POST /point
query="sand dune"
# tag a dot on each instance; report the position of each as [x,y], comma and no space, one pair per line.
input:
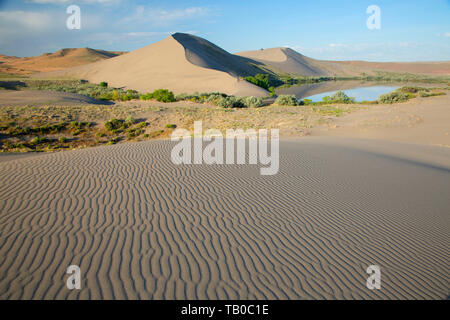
[181,63]
[140,227]
[62,59]
[286,60]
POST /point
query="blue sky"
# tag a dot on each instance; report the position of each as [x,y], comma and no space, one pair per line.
[322,29]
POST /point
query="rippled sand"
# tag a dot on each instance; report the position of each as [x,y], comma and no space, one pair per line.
[142,228]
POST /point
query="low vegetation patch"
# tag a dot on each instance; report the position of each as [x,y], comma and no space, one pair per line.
[287,100]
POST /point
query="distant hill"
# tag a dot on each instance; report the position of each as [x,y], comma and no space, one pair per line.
[59,60]
[286,60]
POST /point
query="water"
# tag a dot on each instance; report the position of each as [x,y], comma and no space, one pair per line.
[360,94]
[361,91]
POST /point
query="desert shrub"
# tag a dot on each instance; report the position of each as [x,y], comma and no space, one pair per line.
[393,97]
[130,120]
[231,102]
[341,97]
[62,139]
[287,100]
[261,80]
[272,91]
[253,102]
[163,95]
[104,84]
[408,89]
[113,124]
[38,140]
[433,94]
[171,126]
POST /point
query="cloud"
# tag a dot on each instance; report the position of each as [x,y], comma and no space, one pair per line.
[153,16]
[380,51]
[72,1]
[10,21]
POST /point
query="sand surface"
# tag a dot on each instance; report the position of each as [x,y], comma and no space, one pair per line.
[44,98]
[142,228]
[180,63]
[420,120]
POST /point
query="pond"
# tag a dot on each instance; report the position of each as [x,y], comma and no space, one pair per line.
[361,91]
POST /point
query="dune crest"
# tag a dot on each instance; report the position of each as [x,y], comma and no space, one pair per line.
[181,63]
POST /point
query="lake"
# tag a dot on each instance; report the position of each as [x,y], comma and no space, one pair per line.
[361,91]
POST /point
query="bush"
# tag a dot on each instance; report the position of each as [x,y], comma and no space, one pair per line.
[62,139]
[161,95]
[261,80]
[231,102]
[253,102]
[341,97]
[393,97]
[113,124]
[287,100]
[130,120]
[171,126]
[104,84]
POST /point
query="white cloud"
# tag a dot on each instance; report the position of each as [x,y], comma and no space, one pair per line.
[72,1]
[154,16]
[28,20]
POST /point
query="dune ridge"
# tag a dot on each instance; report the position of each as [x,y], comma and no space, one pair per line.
[142,228]
[167,64]
[62,59]
[286,60]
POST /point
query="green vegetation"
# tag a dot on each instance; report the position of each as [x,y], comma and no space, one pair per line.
[171,126]
[161,95]
[96,91]
[287,100]
[104,84]
[261,80]
[394,97]
[338,97]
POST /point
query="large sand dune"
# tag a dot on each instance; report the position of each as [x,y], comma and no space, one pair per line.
[181,63]
[140,227]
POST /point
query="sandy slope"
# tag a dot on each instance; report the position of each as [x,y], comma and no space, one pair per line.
[183,66]
[286,60]
[62,59]
[420,120]
[140,227]
[38,98]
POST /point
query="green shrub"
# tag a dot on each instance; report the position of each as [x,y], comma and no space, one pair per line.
[261,80]
[104,84]
[253,102]
[231,102]
[287,100]
[130,120]
[113,124]
[62,139]
[161,95]
[393,97]
[171,126]
[341,97]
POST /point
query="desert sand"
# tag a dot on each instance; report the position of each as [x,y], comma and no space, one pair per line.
[421,120]
[62,59]
[286,60]
[181,63]
[140,227]
[45,98]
